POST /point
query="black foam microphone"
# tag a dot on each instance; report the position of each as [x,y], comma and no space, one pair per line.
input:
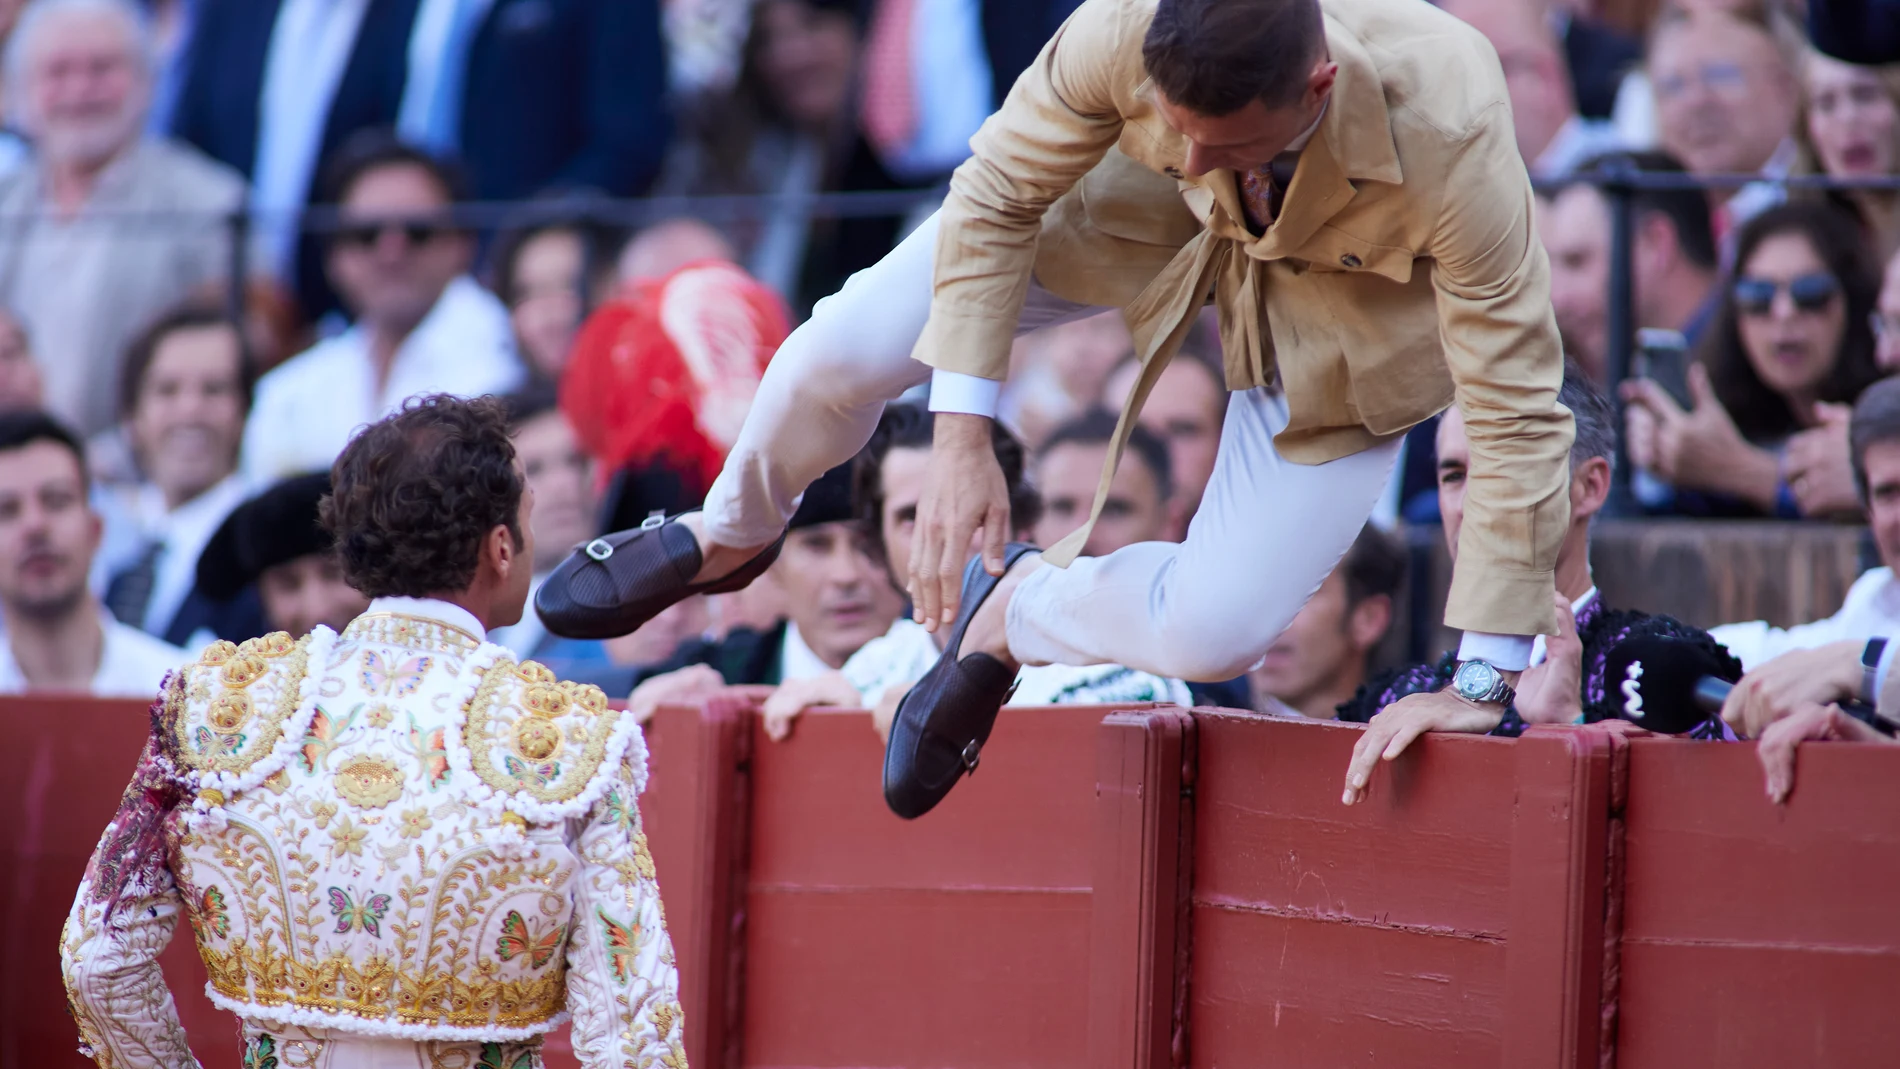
[1664,684]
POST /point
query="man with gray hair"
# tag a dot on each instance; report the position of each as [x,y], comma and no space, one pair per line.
[102,228]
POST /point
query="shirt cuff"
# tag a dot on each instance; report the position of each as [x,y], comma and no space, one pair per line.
[953,391]
[1509,653]
[1882,666]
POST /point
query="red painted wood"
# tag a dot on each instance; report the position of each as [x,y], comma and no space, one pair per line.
[1756,935]
[1328,935]
[1143,840]
[959,939]
[62,771]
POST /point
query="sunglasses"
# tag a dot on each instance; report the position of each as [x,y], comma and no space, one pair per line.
[1810,293]
[366,235]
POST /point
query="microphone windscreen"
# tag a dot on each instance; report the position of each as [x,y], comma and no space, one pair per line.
[1652,682]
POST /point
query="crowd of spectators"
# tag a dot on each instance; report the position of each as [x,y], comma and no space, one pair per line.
[234,231]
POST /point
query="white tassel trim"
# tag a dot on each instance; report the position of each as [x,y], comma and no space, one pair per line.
[290,739]
[304,1017]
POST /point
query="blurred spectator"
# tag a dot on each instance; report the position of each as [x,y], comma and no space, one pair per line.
[184,394]
[1852,130]
[274,88]
[58,636]
[561,479]
[422,325]
[21,385]
[1726,101]
[549,272]
[889,482]
[1551,136]
[1672,260]
[1858,31]
[1872,604]
[275,551]
[1320,660]
[1069,468]
[1565,682]
[538,94]
[86,280]
[1597,56]
[1793,330]
[1185,409]
[1886,319]
[665,247]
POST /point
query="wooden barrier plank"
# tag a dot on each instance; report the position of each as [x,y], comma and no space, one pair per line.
[961,938]
[1328,935]
[1756,935]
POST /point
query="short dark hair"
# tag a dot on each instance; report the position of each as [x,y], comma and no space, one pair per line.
[909,426]
[377,148]
[1373,565]
[1594,415]
[413,496]
[573,212]
[1097,427]
[22,427]
[193,315]
[1686,209]
[531,401]
[1213,56]
[1876,419]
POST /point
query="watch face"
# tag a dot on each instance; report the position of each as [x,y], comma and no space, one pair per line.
[1474,680]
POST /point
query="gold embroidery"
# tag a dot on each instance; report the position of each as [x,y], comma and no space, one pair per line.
[217,653]
[380,715]
[211,797]
[379,991]
[229,712]
[369,782]
[590,698]
[545,699]
[536,739]
[491,717]
[275,644]
[243,670]
[249,749]
[415,632]
[534,672]
[279,781]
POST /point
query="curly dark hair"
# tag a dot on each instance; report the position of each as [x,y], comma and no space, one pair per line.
[413,496]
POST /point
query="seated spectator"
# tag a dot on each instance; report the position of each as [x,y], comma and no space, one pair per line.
[274,549]
[1185,409]
[1320,660]
[1886,319]
[79,80]
[665,247]
[1551,136]
[1796,697]
[1726,101]
[58,638]
[889,483]
[183,396]
[1597,55]
[422,325]
[836,596]
[1565,683]
[549,272]
[561,479]
[1872,605]
[1067,365]
[1069,468]
[21,384]
[1793,331]
[1673,265]
[1851,129]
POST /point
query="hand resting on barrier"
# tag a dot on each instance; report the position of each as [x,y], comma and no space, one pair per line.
[689,685]
[1395,726]
[1791,683]
[795,696]
[1809,723]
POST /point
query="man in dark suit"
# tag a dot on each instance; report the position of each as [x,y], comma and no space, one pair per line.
[1858,31]
[539,94]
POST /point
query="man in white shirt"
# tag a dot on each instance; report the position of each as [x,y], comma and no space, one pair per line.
[58,637]
[422,325]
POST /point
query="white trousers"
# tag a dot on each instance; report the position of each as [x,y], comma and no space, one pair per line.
[1268,531]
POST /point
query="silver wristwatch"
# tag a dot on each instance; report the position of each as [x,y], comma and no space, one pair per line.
[1480,681]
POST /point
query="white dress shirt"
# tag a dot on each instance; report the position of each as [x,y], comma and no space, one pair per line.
[442,612]
[132,664]
[183,532]
[1871,609]
[796,660]
[308,409]
[1577,140]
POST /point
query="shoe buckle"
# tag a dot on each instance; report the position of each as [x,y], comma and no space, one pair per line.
[971,751]
[654,521]
[598,549]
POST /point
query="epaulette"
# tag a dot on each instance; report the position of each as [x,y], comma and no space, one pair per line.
[234,711]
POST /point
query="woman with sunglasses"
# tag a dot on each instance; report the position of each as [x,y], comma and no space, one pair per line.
[1790,343]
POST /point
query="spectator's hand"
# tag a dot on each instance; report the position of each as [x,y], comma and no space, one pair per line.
[1393,728]
[885,712]
[1779,688]
[1820,467]
[691,684]
[1552,692]
[1696,448]
[1806,724]
[964,492]
[795,696]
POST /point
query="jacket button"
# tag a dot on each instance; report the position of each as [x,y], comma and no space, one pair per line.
[1171,172]
[1349,260]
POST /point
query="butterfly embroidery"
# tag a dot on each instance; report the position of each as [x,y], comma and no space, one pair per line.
[431,752]
[621,945]
[380,678]
[522,772]
[322,738]
[350,915]
[493,1058]
[621,811]
[212,744]
[515,941]
[211,915]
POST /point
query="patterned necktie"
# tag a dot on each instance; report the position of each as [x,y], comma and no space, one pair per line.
[130,592]
[889,110]
[1259,198]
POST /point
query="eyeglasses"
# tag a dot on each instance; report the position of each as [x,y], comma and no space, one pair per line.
[1810,293]
[1725,78]
[414,233]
